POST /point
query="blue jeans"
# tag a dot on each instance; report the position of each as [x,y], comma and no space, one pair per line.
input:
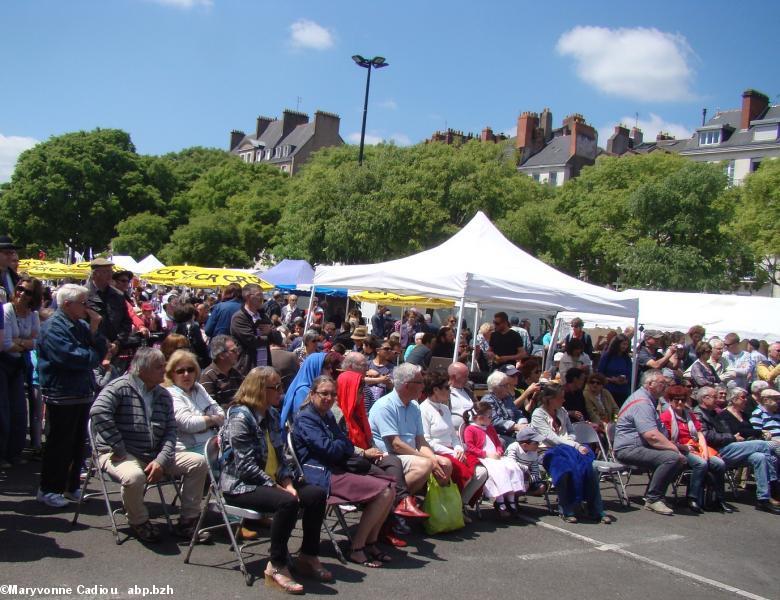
[699,468]
[756,453]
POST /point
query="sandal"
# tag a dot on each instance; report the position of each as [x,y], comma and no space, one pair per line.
[276,578]
[606,519]
[569,519]
[376,553]
[307,569]
[371,563]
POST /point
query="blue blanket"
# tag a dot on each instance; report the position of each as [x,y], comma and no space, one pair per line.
[562,460]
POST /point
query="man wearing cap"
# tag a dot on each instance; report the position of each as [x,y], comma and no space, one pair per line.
[8,276]
[650,355]
[641,439]
[110,304]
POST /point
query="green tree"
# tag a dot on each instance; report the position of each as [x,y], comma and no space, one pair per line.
[401,201]
[75,188]
[649,221]
[140,235]
[207,240]
[757,218]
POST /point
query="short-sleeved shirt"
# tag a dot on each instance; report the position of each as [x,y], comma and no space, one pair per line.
[506,344]
[645,355]
[638,416]
[389,417]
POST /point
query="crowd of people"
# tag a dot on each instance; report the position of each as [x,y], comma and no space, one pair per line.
[158,373]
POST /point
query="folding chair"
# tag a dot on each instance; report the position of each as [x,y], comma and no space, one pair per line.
[585,434]
[338,510]
[216,499]
[95,470]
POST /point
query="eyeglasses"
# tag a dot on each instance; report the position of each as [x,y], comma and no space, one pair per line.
[184,370]
[82,302]
[277,387]
[231,351]
[676,399]
[326,394]
[596,383]
[386,348]
[23,290]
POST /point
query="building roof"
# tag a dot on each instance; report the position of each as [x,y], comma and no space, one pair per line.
[740,137]
[554,154]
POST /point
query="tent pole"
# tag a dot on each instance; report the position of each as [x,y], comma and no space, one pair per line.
[635,345]
[458,328]
[346,310]
[308,311]
[474,337]
[548,360]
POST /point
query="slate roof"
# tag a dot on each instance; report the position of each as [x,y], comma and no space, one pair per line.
[740,137]
[554,154]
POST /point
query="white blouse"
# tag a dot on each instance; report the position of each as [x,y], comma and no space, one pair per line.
[189,410]
[438,429]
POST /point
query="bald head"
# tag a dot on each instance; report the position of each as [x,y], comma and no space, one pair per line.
[458,374]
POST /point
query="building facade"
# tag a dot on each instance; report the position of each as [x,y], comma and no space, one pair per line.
[287,143]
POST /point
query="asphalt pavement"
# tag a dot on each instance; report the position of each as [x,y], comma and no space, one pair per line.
[711,556]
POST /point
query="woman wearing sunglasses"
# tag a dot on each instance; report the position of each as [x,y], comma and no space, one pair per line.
[21,330]
[197,415]
[257,475]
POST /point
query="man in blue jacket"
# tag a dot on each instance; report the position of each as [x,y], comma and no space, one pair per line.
[68,350]
[218,322]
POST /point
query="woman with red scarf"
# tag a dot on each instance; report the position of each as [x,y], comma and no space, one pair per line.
[351,388]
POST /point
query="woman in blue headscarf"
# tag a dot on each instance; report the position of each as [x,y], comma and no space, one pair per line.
[300,386]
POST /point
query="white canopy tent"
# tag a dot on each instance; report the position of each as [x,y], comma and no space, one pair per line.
[478,264]
[747,316]
[150,263]
[126,262]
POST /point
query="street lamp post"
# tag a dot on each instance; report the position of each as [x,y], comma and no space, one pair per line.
[377,63]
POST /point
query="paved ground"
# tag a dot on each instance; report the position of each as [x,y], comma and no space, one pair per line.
[711,557]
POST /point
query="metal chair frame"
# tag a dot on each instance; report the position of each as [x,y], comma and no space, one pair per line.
[585,434]
[95,470]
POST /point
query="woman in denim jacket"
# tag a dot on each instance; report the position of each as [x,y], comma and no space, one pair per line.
[256,476]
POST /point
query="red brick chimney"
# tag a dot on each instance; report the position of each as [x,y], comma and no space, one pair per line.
[235,138]
[262,125]
[579,128]
[754,103]
[527,123]
[487,135]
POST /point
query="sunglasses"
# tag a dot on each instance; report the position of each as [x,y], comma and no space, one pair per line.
[327,394]
[277,387]
[23,290]
[184,370]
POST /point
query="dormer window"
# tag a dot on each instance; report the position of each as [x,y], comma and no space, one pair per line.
[709,138]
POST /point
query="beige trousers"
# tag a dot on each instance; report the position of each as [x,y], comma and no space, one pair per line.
[130,473]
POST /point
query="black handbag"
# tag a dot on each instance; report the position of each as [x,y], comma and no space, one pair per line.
[359,465]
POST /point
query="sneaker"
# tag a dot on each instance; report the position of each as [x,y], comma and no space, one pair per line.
[51,499]
[74,496]
[659,507]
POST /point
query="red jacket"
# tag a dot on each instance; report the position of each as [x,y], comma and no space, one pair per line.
[474,438]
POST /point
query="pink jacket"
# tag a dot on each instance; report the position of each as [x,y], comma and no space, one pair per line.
[474,439]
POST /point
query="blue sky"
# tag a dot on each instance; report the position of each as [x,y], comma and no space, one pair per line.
[179,73]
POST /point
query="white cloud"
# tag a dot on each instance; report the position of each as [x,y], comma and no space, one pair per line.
[10,148]
[388,104]
[650,127]
[308,34]
[371,138]
[401,139]
[185,4]
[640,63]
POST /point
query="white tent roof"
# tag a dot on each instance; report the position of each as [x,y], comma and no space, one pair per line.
[150,263]
[126,262]
[479,264]
[748,316]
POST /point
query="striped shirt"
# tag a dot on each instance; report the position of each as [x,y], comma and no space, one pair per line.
[766,421]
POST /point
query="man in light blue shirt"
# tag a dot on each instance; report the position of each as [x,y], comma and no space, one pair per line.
[397,428]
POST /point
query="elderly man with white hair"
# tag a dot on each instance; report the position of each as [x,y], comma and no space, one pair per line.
[135,435]
[68,350]
[461,397]
[396,425]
